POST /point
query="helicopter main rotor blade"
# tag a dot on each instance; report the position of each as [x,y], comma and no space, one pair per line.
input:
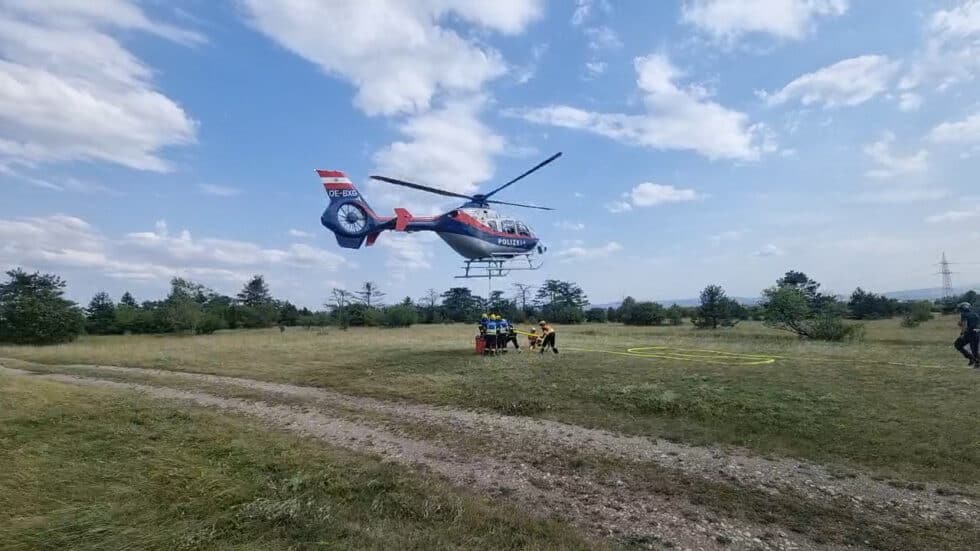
[536,167]
[520,205]
[421,187]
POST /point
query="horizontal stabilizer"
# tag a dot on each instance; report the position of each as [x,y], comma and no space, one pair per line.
[349,242]
[402,218]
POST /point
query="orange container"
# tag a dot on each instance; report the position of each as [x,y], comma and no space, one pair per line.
[481,345]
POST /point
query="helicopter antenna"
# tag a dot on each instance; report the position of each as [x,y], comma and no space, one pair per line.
[528,173]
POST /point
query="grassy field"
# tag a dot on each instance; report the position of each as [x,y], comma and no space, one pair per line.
[901,404]
[91,469]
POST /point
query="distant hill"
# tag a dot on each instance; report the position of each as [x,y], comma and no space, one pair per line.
[931,293]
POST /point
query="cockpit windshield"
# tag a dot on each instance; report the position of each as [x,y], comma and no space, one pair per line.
[523,230]
[508,226]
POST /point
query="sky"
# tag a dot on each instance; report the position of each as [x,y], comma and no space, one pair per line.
[704,141]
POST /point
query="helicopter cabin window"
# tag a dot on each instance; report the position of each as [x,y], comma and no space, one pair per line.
[492,224]
[522,229]
[508,226]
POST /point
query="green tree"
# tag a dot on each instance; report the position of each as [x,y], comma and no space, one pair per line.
[623,312]
[675,315]
[369,294]
[33,310]
[429,307]
[182,310]
[645,313]
[339,304]
[101,315]
[865,305]
[790,309]
[596,315]
[128,300]
[257,307]
[255,292]
[562,301]
[401,315]
[716,309]
[460,304]
[810,289]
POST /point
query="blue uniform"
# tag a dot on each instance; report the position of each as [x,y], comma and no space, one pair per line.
[970,336]
[491,338]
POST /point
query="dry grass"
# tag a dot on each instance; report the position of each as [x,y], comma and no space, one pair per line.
[91,469]
[843,403]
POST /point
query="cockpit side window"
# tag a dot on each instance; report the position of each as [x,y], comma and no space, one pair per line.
[522,229]
[492,224]
[508,226]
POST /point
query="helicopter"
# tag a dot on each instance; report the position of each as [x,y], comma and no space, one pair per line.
[491,244]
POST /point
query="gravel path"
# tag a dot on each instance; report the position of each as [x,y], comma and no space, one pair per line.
[602,505]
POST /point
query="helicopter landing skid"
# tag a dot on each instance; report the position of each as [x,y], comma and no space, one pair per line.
[496,266]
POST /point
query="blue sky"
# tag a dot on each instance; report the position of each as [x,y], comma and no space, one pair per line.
[705,141]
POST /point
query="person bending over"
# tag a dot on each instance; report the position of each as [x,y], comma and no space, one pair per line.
[548,334]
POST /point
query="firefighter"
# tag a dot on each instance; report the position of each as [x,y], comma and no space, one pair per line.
[969,326]
[491,335]
[532,339]
[548,332]
[510,335]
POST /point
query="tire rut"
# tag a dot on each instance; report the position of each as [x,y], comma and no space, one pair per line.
[817,483]
[600,508]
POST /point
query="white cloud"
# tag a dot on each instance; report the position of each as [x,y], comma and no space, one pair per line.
[584,9]
[725,236]
[602,38]
[954,216]
[70,91]
[300,233]
[399,54]
[620,205]
[900,195]
[890,165]
[220,191]
[407,253]
[595,68]
[579,252]
[909,101]
[788,19]
[677,118]
[966,131]
[449,148]
[768,250]
[526,73]
[649,194]
[952,51]
[569,226]
[963,21]
[845,83]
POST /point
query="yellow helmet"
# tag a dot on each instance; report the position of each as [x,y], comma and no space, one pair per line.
[542,323]
[494,317]
[484,316]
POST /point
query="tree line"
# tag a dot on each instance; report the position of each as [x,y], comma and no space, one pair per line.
[33,309]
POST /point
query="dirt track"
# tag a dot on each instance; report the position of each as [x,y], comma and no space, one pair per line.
[634,490]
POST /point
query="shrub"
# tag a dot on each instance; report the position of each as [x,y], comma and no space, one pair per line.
[644,313]
[596,315]
[399,316]
[828,327]
[918,312]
